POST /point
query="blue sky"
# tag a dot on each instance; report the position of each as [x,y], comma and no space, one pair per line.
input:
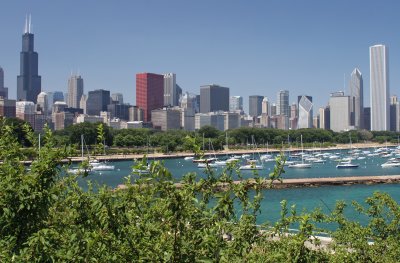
[253,47]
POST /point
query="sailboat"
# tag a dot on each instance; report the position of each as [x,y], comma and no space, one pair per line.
[347,164]
[301,165]
[143,168]
[251,163]
[94,164]
[267,157]
[101,166]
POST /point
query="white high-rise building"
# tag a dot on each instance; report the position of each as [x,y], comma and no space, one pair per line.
[82,103]
[339,105]
[25,110]
[282,107]
[356,99]
[266,107]
[236,103]
[75,91]
[170,89]
[305,107]
[42,103]
[379,82]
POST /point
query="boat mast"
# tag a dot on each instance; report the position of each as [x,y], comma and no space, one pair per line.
[82,145]
[302,151]
[226,141]
[203,143]
[39,145]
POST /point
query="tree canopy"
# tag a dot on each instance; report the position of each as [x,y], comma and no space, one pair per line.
[47,217]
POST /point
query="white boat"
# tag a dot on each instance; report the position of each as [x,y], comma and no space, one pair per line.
[78,171]
[269,160]
[204,165]
[231,160]
[391,163]
[361,158]
[251,167]
[265,157]
[188,158]
[319,160]
[94,162]
[347,165]
[301,165]
[141,171]
[244,156]
[220,163]
[103,167]
[287,163]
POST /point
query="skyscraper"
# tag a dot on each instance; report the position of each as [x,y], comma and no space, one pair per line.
[282,107]
[97,101]
[117,98]
[339,106]
[58,96]
[75,91]
[178,95]
[149,93]
[266,107]
[214,98]
[1,77]
[255,105]
[42,103]
[356,99]
[324,118]
[394,113]
[305,106]
[28,82]
[3,90]
[379,81]
[170,89]
[236,103]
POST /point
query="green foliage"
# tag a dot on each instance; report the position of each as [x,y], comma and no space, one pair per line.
[47,217]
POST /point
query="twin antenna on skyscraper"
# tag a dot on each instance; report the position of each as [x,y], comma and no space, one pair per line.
[28,25]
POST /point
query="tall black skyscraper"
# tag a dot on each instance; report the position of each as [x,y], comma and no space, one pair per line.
[97,101]
[28,82]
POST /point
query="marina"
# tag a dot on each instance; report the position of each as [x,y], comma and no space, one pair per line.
[322,185]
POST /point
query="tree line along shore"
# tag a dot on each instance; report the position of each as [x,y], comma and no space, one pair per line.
[244,139]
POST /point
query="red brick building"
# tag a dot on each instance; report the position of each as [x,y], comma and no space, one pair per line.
[149,93]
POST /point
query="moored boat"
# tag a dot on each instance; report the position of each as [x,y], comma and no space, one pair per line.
[345,165]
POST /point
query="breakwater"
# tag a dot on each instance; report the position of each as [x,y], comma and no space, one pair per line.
[314,182]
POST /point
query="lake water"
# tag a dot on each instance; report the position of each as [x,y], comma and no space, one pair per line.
[305,198]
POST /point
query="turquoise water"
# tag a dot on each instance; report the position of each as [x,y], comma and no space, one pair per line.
[306,199]
[179,167]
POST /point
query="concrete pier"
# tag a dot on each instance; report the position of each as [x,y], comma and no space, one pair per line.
[316,182]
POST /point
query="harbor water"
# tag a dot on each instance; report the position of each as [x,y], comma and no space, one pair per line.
[305,199]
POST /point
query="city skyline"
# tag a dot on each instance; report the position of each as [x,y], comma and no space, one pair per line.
[287,44]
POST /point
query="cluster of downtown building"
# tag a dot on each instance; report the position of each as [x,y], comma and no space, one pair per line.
[160,103]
